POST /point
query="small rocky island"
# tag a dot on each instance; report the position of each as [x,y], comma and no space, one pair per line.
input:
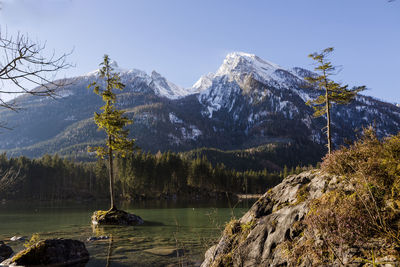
[115,217]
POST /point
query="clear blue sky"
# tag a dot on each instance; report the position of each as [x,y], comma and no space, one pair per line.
[184,39]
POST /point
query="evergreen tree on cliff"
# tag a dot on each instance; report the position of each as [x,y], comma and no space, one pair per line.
[112,121]
[334,93]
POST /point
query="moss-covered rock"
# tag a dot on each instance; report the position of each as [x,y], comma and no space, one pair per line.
[52,252]
[115,217]
[5,251]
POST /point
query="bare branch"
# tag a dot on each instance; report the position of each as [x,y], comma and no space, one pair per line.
[23,63]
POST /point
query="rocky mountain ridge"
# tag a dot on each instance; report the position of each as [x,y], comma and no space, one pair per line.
[247,103]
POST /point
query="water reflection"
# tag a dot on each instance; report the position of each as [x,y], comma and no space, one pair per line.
[109,251]
[175,233]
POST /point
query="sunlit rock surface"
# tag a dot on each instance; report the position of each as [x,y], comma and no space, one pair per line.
[257,239]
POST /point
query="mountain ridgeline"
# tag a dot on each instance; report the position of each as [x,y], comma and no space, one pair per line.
[248,106]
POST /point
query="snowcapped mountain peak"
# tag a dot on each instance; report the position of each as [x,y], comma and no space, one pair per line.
[244,63]
[159,84]
[231,80]
[236,65]
[165,88]
[155,75]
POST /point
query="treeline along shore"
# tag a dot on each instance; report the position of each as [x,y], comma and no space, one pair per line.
[140,175]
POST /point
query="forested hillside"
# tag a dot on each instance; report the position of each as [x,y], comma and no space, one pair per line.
[141,175]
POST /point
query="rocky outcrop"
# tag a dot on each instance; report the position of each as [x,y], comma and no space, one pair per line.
[258,238]
[5,251]
[115,217]
[65,252]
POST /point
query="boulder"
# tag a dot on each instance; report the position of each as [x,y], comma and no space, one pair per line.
[115,217]
[51,252]
[5,251]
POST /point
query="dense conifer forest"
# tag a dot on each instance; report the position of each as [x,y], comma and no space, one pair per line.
[140,175]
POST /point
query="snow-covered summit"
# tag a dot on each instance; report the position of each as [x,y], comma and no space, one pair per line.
[240,62]
[222,88]
[159,84]
[237,65]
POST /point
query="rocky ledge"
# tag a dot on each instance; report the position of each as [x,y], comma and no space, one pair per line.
[261,236]
[60,252]
[115,217]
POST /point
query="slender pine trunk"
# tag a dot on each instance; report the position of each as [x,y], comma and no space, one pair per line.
[328,122]
[328,113]
[111,174]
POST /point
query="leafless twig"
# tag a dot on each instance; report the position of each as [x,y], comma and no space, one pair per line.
[24,64]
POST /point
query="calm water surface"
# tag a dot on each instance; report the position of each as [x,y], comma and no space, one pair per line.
[187,227]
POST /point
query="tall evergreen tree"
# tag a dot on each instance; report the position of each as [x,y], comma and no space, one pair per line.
[333,92]
[112,121]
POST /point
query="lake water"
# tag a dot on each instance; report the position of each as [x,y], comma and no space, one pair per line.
[175,233]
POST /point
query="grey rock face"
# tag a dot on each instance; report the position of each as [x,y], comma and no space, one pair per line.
[51,252]
[271,219]
[257,238]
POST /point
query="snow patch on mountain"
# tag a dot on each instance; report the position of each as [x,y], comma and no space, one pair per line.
[63,93]
[190,134]
[304,96]
[220,95]
[173,139]
[174,119]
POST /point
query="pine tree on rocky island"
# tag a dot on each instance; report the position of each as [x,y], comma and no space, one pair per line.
[334,93]
[113,122]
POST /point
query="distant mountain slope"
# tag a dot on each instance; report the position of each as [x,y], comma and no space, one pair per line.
[247,103]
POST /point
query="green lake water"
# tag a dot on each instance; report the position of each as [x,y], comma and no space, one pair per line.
[188,228]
